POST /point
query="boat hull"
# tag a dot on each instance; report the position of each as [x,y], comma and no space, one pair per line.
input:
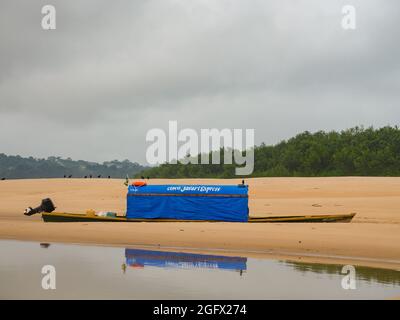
[72,217]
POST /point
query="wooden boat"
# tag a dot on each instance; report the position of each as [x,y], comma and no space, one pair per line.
[73,217]
[307,218]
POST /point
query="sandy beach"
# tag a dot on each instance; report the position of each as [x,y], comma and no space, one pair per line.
[371,239]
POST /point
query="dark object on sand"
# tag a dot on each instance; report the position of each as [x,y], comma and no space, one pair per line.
[2,179]
[46,206]
[99,176]
[44,245]
[109,177]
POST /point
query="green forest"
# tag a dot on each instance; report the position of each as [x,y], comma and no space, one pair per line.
[353,152]
[17,167]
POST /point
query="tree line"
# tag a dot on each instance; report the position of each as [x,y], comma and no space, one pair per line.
[353,152]
[17,167]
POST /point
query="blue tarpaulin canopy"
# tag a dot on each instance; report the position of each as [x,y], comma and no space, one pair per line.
[189,202]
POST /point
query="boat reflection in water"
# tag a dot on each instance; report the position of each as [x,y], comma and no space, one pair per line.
[138,258]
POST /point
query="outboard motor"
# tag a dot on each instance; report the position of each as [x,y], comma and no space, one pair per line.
[46,206]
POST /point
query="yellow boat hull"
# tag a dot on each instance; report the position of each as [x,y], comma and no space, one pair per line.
[73,217]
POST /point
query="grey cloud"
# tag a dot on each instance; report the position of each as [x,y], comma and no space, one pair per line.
[113,70]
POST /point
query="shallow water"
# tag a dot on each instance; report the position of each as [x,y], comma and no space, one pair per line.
[85,272]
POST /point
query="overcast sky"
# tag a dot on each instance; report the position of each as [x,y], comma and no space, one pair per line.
[112,70]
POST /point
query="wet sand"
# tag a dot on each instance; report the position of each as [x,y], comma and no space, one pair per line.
[372,238]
